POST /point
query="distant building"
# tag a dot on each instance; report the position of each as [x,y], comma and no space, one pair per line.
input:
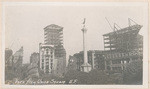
[13,64]
[8,64]
[18,58]
[95,59]
[123,46]
[72,63]
[34,58]
[8,57]
[33,69]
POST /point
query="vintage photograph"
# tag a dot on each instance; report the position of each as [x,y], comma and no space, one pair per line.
[75,43]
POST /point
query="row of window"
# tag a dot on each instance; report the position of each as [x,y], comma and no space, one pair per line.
[117,55]
[47,60]
[116,68]
[47,56]
[47,66]
[117,62]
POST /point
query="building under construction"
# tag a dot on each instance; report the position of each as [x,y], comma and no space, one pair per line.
[53,35]
[122,46]
[125,39]
[53,43]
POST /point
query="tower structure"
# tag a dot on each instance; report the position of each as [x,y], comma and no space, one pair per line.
[85,67]
[53,43]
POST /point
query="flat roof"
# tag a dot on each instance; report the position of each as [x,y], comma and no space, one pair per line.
[53,26]
[125,30]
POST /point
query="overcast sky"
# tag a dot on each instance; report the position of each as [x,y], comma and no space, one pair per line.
[24,23]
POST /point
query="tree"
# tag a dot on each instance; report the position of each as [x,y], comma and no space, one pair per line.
[74,74]
[98,77]
[93,77]
[133,73]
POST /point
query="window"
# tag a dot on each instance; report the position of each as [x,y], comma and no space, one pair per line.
[47,63]
[47,51]
[47,66]
[42,56]
[125,62]
[51,51]
[108,62]
[116,62]
[51,66]
[42,65]
[108,68]
[116,68]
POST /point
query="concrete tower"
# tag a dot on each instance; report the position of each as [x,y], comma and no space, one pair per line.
[86,67]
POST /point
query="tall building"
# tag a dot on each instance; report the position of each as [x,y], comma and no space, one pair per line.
[53,35]
[126,39]
[53,39]
[123,46]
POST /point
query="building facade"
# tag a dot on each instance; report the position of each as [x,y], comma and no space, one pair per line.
[46,58]
[124,40]
[53,35]
[53,41]
[123,46]
[117,61]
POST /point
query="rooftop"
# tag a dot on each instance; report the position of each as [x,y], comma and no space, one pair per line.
[133,28]
[53,26]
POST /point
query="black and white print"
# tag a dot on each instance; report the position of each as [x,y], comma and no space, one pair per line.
[75,43]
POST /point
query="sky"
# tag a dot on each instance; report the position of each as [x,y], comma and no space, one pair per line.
[24,23]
